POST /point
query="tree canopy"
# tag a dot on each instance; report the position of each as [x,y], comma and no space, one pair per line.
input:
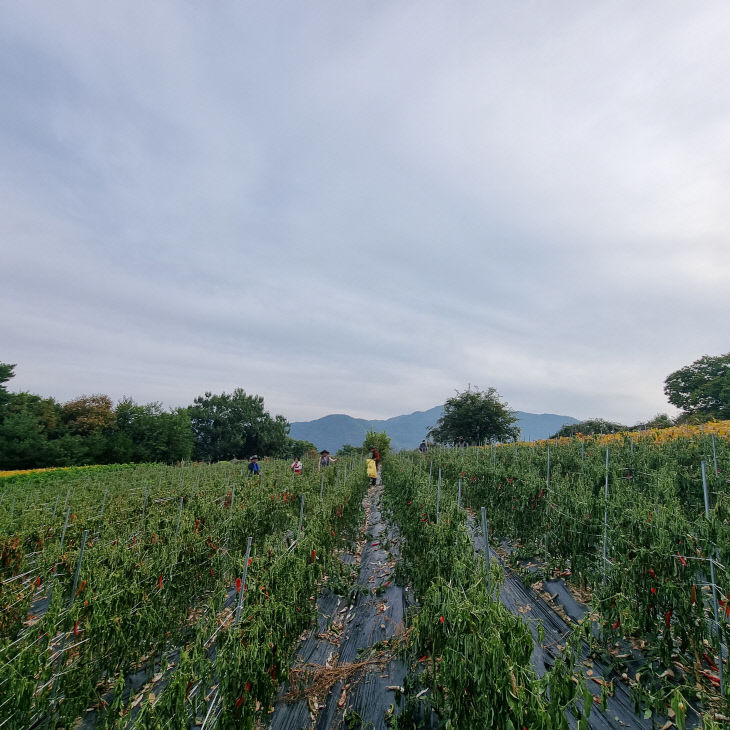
[703,388]
[378,440]
[475,416]
[589,427]
[235,425]
[40,432]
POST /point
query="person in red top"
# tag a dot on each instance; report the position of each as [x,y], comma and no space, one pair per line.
[376,457]
[296,466]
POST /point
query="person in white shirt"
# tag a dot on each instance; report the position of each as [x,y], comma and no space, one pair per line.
[296,466]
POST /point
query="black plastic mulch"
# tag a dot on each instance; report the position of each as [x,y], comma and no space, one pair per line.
[375,614]
[515,595]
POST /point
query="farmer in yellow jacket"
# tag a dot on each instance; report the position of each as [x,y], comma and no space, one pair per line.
[372,469]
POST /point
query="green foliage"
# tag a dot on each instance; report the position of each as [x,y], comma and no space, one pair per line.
[295,447]
[6,372]
[148,433]
[479,672]
[379,440]
[702,388]
[590,427]
[475,416]
[157,590]
[661,420]
[658,539]
[38,432]
[89,414]
[235,425]
[350,450]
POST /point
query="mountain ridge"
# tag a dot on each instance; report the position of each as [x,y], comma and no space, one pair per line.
[407,430]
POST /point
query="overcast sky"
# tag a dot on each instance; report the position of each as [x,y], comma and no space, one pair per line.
[360,207]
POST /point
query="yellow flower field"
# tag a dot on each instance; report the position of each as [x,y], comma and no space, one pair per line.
[720,429]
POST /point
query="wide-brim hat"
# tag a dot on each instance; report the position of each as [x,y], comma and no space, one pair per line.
[254,457]
[324,451]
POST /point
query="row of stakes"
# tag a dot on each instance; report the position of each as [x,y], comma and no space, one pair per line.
[711,560]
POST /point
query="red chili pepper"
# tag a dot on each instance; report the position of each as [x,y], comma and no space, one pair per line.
[76,628]
[248,686]
[238,585]
[649,520]
[694,595]
[441,619]
[683,561]
[710,661]
[312,556]
[668,618]
[159,583]
[652,573]
[616,625]
[38,582]
[542,491]
[81,587]
[653,591]
[250,560]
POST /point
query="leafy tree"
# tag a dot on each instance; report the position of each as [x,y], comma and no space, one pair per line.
[89,413]
[379,440]
[149,433]
[6,372]
[350,450]
[28,432]
[589,427]
[297,447]
[661,420]
[235,426]
[475,416]
[703,388]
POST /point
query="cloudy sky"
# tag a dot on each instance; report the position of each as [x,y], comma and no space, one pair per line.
[360,207]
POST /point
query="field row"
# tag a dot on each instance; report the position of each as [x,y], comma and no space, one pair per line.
[149,593]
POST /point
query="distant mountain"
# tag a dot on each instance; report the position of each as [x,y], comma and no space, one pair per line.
[406,432]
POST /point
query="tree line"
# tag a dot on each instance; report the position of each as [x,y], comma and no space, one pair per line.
[701,391]
[38,432]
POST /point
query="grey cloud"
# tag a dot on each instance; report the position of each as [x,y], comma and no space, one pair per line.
[362,208]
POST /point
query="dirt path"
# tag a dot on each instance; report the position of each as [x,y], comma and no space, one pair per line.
[348,663]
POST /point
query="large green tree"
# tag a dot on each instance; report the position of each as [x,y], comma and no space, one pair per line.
[236,425]
[378,440]
[701,389]
[149,433]
[475,416]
